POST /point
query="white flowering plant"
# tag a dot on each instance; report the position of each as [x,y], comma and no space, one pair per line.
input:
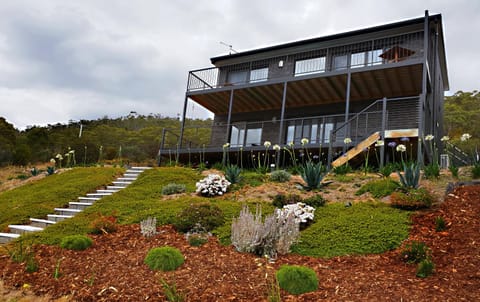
[302,212]
[212,185]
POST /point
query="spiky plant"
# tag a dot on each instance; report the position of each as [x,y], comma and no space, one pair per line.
[411,176]
[312,174]
[232,173]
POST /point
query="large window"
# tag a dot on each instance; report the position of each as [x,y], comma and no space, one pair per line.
[237,77]
[254,137]
[314,130]
[259,75]
[340,62]
[238,139]
[309,66]
[237,135]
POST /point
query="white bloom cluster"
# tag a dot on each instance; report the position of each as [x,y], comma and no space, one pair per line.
[401,148]
[347,140]
[212,185]
[276,147]
[429,137]
[465,137]
[303,213]
[304,141]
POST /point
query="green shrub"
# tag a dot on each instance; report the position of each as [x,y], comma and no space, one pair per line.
[415,252]
[76,242]
[388,169]
[209,216]
[197,239]
[297,279]
[379,188]
[173,188]
[315,201]
[164,258]
[312,174]
[232,174]
[454,170]
[343,169]
[425,268]
[411,175]
[280,176]
[413,199]
[476,170]
[281,199]
[432,171]
[440,224]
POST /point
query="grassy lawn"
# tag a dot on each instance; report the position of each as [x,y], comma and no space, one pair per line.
[337,230]
[40,198]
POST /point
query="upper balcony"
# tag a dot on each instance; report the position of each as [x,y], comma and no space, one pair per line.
[384,66]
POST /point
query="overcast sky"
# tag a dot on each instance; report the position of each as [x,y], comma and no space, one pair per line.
[64,60]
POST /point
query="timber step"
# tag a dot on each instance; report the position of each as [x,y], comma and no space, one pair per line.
[356,150]
[21,229]
[133,175]
[107,191]
[42,223]
[118,188]
[127,179]
[57,217]
[121,183]
[99,194]
[7,237]
[79,205]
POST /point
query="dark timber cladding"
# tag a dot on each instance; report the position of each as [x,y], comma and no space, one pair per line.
[353,84]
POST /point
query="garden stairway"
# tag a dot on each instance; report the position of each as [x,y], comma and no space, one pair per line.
[74,207]
[356,150]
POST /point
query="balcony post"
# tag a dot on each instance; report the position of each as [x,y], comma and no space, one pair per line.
[282,117]
[384,125]
[229,117]
[184,114]
[421,123]
[347,108]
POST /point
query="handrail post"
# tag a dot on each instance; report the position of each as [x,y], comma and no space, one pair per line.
[162,145]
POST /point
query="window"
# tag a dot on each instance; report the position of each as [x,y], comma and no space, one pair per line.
[309,66]
[259,75]
[358,59]
[237,135]
[237,77]
[340,62]
[374,57]
[254,137]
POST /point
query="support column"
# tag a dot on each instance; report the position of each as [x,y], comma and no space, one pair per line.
[384,125]
[179,144]
[282,117]
[423,97]
[229,117]
[347,108]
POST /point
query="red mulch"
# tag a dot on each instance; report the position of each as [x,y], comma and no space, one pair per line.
[113,269]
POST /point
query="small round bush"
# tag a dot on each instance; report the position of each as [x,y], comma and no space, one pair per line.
[297,279]
[173,188]
[413,199]
[315,201]
[209,216]
[281,200]
[76,242]
[280,176]
[164,258]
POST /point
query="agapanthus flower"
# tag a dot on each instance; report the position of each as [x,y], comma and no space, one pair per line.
[429,137]
[401,148]
[379,143]
[445,138]
[276,147]
[267,144]
[52,160]
[347,140]
[404,139]
[392,144]
[226,145]
[304,141]
[465,137]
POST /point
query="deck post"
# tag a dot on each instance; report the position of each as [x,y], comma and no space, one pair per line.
[229,117]
[384,125]
[423,98]
[282,117]
[421,122]
[347,109]
[184,114]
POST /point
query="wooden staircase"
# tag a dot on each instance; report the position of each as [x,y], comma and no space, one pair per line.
[356,150]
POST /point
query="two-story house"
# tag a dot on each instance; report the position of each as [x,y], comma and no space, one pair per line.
[383,82]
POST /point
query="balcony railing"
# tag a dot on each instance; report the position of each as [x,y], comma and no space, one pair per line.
[386,50]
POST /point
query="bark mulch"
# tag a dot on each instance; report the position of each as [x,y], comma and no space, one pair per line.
[113,269]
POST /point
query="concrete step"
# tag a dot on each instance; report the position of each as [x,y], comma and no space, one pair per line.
[108,191]
[66,211]
[140,168]
[115,188]
[131,171]
[41,223]
[79,205]
[121,183]
[99,195]
[21,229]
[128,179]
[57,218]
[89,199]
[7,237]
[133,175]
